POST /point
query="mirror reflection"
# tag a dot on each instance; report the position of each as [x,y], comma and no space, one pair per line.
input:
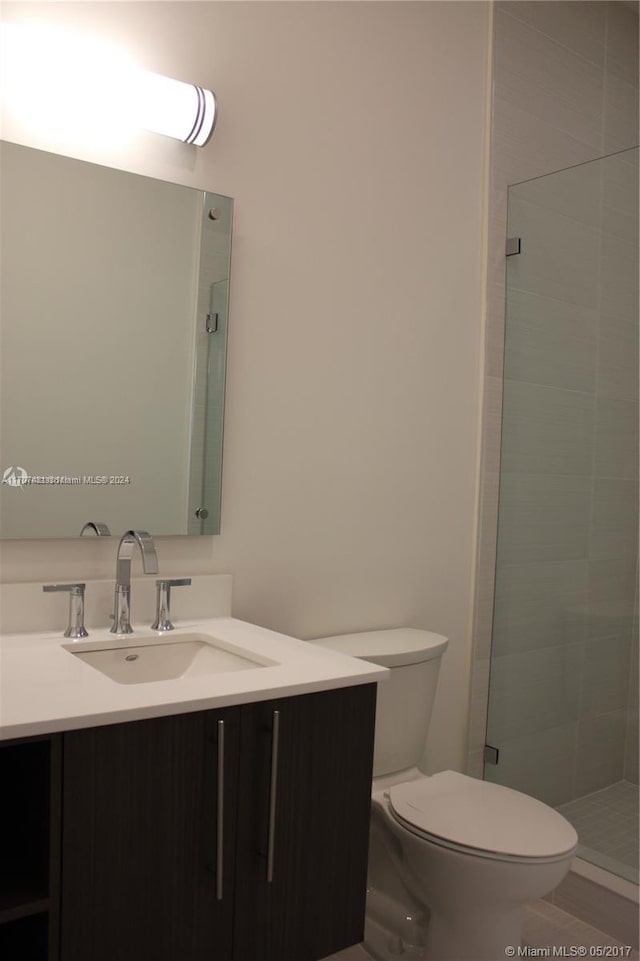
[113,331]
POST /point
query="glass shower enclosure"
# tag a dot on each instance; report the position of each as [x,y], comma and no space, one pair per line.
[563,698]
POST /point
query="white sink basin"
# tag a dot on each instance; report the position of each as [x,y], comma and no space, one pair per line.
[143,660]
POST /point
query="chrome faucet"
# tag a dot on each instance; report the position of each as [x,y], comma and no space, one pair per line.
[99,528]
[122,603]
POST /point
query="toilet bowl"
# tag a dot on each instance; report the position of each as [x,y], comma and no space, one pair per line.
[453,860]
[475,853]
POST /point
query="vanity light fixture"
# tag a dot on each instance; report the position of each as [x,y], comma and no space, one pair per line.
[79,86]
[176,109]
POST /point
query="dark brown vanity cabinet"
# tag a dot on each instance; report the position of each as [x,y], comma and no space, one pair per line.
[231,835]
[315,901]
[29,848]
[141,836]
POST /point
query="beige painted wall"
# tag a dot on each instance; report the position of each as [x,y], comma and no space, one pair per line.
[351,136]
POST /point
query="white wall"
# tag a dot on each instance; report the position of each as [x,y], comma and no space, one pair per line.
[351,136]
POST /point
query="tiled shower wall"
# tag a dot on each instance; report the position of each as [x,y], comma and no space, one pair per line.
[565,92]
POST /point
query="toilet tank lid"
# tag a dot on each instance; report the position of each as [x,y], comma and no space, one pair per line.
[391,648]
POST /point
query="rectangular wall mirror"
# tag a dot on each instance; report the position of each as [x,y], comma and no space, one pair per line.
[113,333]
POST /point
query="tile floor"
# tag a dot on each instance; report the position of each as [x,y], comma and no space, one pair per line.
[607,825]
[545,926]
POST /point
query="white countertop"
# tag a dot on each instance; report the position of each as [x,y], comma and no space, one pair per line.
[45,688]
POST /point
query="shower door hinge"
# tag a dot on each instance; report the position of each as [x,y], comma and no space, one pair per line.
[514,246]
[212,323]
[491,754]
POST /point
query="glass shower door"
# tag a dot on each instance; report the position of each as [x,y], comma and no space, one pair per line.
[563,699]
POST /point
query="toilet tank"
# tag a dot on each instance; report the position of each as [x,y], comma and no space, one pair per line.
[405,700]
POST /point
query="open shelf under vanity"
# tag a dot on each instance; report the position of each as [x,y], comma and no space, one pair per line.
[30,779]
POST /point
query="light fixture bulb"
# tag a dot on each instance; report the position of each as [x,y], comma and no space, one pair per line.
[175,109]
[60,85]
[79,87]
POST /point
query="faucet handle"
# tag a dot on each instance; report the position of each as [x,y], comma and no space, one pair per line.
[163,602]
[76,628]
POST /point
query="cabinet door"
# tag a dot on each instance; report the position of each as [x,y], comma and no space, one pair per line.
[312,901]
[140,840]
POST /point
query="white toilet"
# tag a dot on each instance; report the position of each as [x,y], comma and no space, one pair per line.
[453,860]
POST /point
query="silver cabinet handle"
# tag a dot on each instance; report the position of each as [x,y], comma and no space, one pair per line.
[220,814]
[273,790]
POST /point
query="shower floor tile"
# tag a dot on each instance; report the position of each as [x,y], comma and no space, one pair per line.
[607,826]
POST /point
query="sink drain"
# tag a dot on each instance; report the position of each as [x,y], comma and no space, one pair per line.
[132,657]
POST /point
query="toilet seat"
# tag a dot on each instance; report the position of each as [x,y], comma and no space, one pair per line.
[480,818]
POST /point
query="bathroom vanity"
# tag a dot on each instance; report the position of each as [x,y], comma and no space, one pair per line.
[116,850]
[210,816]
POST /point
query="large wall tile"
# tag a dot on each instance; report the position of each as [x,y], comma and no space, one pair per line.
[620,197]
[540,764]
[618,358]
[533,691]
[612,597]
[631,748]
[557,20]
[622,42]
[600,753]
[620,115]
[630,157]
[619,279]
[546,430]
[616,438]
[605,676]
[554,83]
[613,581]
[574,193]
[539,605]
[614,524]
[526,146]
[560,255]
[550,342]
[543,517]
